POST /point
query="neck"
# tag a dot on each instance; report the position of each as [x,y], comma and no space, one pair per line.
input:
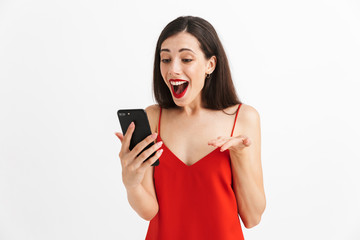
[194,108]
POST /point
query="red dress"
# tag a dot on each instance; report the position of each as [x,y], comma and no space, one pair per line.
[197,201]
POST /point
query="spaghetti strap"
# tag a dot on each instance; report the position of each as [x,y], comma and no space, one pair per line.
[159,122]
[237,112]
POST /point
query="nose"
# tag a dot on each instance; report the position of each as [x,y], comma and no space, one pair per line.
[175,68]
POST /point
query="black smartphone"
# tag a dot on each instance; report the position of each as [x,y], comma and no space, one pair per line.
[142,127]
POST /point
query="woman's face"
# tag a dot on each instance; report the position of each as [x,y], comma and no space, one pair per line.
[184,67]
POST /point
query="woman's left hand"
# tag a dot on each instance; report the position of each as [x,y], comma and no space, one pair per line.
[234,144]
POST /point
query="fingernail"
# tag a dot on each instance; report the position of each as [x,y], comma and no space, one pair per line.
[154,134]
[132,124]
[159,143]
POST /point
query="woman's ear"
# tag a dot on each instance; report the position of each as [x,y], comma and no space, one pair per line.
[211,64]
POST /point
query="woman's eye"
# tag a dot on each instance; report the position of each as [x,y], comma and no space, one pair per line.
[165,60]
[186,60]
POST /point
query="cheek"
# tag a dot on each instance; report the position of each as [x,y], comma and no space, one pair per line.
[198,74]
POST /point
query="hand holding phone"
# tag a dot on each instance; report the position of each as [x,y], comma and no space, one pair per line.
[135,162]
[142,128]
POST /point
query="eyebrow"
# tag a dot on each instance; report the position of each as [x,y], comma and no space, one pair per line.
[181,50]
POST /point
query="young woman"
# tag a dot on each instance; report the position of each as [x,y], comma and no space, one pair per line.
[208,143]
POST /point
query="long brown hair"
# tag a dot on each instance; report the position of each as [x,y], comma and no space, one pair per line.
[219,91]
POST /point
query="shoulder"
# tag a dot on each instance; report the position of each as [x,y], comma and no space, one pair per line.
[248,119]
[153,109]
[153,112]
[248,113]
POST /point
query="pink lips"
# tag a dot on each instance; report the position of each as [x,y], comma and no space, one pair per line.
[178,95]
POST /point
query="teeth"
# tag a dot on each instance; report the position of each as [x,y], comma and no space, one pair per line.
[176,83]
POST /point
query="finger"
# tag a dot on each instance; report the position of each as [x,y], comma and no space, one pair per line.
[230,143]
[247,142]
[126,140]
[218,142]
[141,145]
[214,141]
[151,160]
[144,155]
[120,136]
[235,142]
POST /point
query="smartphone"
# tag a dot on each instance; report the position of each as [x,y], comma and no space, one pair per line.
[142,128]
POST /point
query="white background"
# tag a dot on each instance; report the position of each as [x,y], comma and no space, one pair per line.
[67,66]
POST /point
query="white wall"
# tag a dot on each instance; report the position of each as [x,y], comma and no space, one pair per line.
[67,66]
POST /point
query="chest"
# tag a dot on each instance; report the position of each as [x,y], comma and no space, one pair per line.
[188,139]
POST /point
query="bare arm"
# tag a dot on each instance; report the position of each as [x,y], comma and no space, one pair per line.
[142,202]
[138,175]
[245,153]
[247,171]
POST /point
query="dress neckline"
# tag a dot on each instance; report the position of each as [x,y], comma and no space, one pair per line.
[182,162]
[204,157]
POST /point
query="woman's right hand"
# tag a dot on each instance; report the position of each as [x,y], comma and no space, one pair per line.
[133,166]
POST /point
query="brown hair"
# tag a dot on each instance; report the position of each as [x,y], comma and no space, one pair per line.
[219,91]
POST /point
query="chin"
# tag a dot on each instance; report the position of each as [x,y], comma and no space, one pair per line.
[179,103]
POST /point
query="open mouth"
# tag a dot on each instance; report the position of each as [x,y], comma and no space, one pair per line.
[179,87]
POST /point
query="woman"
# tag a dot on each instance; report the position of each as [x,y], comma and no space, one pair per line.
[208,143]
